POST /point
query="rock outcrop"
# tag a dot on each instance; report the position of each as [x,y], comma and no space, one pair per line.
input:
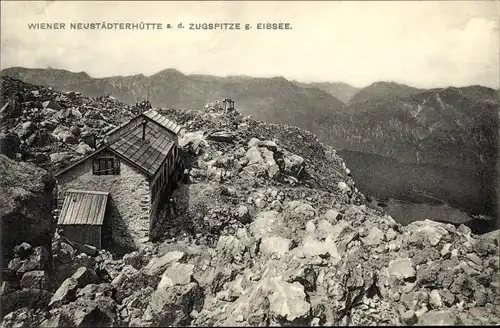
[25,205]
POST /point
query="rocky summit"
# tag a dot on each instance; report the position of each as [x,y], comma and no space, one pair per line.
[269,229]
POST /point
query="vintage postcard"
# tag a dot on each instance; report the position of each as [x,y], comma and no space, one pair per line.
[249,163]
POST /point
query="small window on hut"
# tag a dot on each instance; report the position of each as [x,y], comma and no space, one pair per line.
[106,166]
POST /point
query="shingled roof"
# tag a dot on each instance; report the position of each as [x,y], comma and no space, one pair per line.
[163,121]
[146,154]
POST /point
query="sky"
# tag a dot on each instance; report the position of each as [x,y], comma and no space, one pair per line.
[419,43]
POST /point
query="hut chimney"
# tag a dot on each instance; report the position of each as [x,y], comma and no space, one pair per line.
[90,139]
[144,123]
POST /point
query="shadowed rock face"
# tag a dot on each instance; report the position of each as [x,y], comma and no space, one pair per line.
[444,127]
[443,142]
[25,204]
[412,192]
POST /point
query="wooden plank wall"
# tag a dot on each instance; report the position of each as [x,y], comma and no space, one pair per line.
[83,234]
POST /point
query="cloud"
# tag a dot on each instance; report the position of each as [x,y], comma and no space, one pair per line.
[424,44]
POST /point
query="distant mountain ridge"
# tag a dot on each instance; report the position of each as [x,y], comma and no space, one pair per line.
[384,90]
[340,90]
[270,99]
[416,119]
[307,105]
[446,129]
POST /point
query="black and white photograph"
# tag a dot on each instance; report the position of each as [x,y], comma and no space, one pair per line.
[249,163]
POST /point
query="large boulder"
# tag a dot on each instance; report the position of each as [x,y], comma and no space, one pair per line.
[157,265]
[130,280]
[300,209]
[94,290]
[272,167]
[86,312]
[65,293]
[269,144]
[10,144]
[32,298]
[311,247]
[26,204]
[37,279]
[172,305]
[38,260]
[70,113]
[85,276]
[426,231]
[23,317]
[439,318]
[50,104]
[275,245]
[287,302]
[374,237]
[253,156]
[23,130]
[401,268]
[293,164]
[65,136]
[222,136]
[176,274]
[63,156]
[83,148]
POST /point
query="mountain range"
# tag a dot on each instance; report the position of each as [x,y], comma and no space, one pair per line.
[452,128]
[445,141]
[270,99]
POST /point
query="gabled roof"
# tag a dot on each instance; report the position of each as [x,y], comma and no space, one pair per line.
[163,121]
[149,153]
[83,207]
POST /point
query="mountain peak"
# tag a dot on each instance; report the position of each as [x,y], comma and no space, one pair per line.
[384,90]
[452,91]
[168,72]
[64,71]
[279,79]
[388,84]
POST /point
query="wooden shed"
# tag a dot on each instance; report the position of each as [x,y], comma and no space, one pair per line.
[82,216]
